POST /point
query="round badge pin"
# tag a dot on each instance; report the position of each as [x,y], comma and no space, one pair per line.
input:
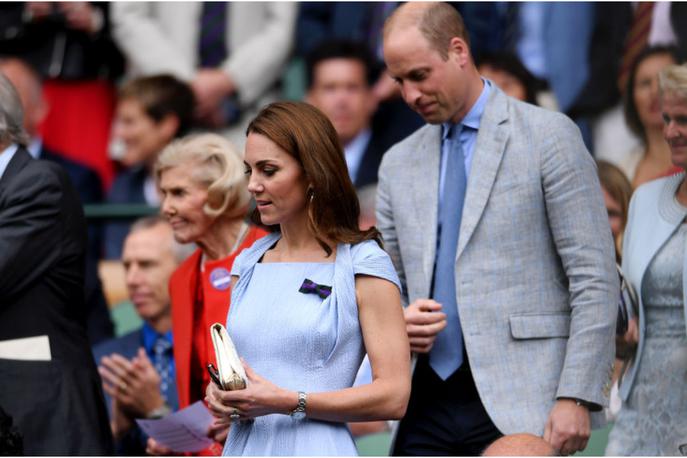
[220,278]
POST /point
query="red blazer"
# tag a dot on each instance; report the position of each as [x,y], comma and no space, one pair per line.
[182,290]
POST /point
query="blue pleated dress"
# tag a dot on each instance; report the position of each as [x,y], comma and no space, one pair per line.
[299,341]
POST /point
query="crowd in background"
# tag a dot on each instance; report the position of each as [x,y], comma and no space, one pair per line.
[121,80]
[111,92]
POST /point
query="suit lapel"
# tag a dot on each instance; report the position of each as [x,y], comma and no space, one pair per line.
[424,170]
[20,159]
[369,164]
[489,149]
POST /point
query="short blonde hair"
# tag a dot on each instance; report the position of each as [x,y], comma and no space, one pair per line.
[215,163]
[673,79]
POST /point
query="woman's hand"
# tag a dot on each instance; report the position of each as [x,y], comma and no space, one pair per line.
[260,397]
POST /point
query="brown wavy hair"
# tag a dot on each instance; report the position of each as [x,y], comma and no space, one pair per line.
[306,134]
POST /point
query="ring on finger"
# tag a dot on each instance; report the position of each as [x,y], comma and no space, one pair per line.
[235,414]
[122,386]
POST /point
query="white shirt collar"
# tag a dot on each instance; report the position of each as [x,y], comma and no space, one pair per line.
[354,152]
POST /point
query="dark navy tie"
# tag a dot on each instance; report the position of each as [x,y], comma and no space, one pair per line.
[446,355]
[213,29]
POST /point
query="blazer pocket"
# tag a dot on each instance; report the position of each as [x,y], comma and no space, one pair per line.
[540,325]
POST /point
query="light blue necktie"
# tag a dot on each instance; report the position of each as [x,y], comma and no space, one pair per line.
[446,355]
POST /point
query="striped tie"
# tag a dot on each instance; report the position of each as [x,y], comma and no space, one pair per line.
[636,40]
[213,27]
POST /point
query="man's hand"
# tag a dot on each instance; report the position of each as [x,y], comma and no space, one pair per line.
[134,384]
[568,427]
[211,86]
[424,320]
[154,448]
[37,11]
[121,422]
[82,16]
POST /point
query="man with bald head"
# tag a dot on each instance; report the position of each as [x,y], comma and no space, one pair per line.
[493,216]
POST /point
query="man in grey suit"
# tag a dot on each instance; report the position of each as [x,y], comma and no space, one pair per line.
[493,216]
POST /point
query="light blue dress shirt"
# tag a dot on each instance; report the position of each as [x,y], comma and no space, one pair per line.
[6,156]
[467,137]
[150,336]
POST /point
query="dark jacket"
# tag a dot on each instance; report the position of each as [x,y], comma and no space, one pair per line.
[57,405]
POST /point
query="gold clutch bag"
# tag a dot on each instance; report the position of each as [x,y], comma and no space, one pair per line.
[230,374]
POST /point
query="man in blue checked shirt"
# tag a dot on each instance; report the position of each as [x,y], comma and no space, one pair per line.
[138,368]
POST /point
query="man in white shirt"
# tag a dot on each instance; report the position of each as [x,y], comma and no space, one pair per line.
[340,75]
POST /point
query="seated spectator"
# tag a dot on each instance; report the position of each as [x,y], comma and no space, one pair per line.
[319,22]
[85,180]
[231,53]
[340,75]
[28,85]
[138,368]
[151,112]
[519,445]
[617,191]
[508,73]
[643,116]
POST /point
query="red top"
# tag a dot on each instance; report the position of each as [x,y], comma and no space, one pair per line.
[196,304]
[671,171]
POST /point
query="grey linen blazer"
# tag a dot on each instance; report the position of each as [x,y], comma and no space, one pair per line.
[535,275]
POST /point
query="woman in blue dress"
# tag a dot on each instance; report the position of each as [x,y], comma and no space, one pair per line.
[309,300]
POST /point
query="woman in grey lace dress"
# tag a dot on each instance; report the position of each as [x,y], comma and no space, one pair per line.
[653,420]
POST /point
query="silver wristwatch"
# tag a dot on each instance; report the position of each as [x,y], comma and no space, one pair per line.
[299,412]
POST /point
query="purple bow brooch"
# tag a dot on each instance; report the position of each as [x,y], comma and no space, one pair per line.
[310,287]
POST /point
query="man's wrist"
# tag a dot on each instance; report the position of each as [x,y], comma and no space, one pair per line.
[577,401]
[159,412]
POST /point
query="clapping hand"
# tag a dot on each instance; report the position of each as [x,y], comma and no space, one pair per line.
[134,385]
